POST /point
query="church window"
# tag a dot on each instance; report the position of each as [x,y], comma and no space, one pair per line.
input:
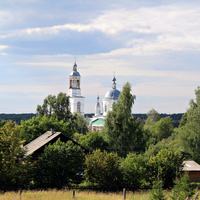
[105,108]
[79,106]
[78,84]
[70,84]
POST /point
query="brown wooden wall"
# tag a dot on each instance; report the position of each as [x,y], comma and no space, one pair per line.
[194,176]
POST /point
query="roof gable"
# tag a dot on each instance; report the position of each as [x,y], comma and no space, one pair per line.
[190,165]
[36,147]
[41,141]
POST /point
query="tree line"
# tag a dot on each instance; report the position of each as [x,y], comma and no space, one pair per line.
[176,117]
[126,153]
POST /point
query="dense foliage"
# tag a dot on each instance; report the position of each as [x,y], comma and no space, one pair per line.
[167,165]
[157,192]
[59,165]
[123,132]
[16,117]
[126,153]
[134,170]
[14,167]
[190,129]
[56,107]
[102,168]
[36,126]
[176,117]
[182,188]
[94,141]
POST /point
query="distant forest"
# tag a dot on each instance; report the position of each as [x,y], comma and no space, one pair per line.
[18,117]
[175,117]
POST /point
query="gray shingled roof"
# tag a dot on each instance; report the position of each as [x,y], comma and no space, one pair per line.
[190,165]
[40,141]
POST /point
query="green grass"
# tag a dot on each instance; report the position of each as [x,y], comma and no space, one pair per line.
[79,195]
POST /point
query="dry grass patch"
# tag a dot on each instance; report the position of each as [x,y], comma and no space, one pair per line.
[67,195]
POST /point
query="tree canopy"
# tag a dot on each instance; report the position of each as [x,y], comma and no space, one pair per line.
[102,168]
[166,164]
[121,129]
[190,129]
[36,126]
[56,107]
[93,141]
[14,167]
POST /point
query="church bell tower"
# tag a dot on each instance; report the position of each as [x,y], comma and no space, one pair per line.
[74,92]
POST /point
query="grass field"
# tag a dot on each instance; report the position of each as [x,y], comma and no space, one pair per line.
[68,195]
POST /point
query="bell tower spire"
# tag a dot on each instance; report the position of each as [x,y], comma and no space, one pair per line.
[74,92]
[114,81]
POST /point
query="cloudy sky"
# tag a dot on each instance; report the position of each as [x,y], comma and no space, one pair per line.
[152,44]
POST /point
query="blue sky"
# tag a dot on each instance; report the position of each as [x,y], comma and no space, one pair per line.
[152,44]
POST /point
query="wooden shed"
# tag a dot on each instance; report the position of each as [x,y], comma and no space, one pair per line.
[193,170]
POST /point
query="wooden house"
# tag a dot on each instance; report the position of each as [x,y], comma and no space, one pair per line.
[37,146]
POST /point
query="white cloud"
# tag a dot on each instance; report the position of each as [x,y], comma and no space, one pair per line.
[162,90]
[2,47]
[173,27]
[30,90]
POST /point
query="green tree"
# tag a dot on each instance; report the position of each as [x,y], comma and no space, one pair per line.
[153,115]
[102,168]
[158,130]
[172,142]
[36,126]
[80,124]
[157,192]
[182,188]
[14,167]
[183,120]
[163,128]
[59,165]
[167,164]
[190,132]
[93,141]
[121,130]
[56,107]
[134,170]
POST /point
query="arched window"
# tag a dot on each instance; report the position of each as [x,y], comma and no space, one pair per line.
[79,106]
[105,108]
[78,84]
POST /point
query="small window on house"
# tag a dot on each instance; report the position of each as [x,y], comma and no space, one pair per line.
[79,106]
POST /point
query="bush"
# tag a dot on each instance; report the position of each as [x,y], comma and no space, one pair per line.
[134,170]
[103,169]
[167,164]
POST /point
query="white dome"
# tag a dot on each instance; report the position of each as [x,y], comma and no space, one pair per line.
[112,94]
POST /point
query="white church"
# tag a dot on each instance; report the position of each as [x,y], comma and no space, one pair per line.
[77,100]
